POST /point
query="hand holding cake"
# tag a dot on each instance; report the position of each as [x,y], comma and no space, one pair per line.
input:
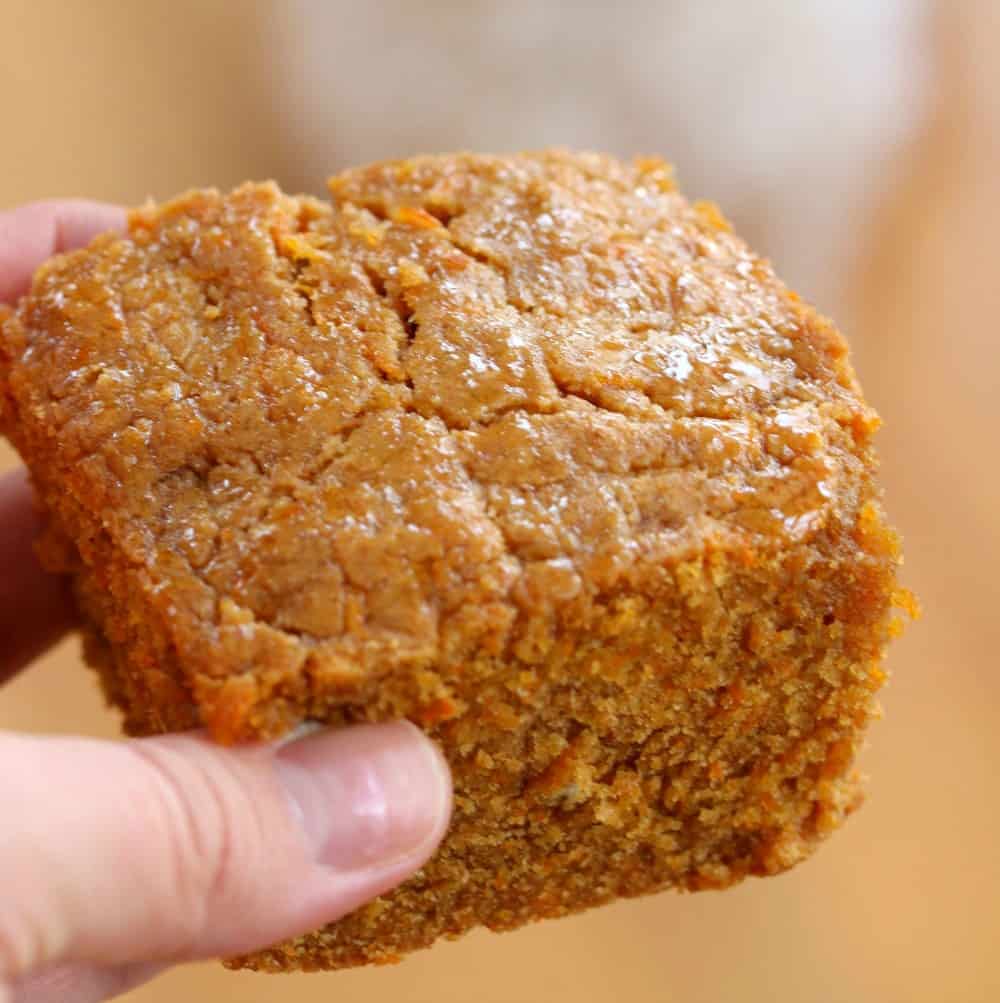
[527,450]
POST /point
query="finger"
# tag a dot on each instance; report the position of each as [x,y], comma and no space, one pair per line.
[173,848]
[36,608]
[32,233]
[80,983]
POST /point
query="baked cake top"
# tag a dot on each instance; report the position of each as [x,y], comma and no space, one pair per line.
[453,410]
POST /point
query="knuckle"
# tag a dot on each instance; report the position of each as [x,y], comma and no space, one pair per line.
[22,943]
[201,822]
[12,949]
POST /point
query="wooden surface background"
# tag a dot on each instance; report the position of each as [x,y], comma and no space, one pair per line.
[119,101]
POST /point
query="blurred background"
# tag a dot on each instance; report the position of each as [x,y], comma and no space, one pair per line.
[857,142]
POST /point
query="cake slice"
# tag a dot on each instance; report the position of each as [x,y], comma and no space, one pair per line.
[527,449]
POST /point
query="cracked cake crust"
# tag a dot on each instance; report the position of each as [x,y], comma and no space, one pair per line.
[527,449]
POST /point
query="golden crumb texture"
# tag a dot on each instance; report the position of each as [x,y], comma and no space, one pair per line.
[527,449]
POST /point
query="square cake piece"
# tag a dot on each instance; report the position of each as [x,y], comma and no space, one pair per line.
[527,449]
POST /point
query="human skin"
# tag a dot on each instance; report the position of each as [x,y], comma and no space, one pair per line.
[232,848]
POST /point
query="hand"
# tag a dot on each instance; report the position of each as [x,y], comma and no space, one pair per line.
[117,859]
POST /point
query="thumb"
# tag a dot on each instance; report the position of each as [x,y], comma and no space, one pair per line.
[172,848]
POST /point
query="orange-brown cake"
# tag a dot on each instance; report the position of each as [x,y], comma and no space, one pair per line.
[527,449]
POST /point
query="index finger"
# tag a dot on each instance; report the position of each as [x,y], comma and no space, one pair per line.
[32,233]
[35,607]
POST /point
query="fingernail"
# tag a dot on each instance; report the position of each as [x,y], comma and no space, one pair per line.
[367,796]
